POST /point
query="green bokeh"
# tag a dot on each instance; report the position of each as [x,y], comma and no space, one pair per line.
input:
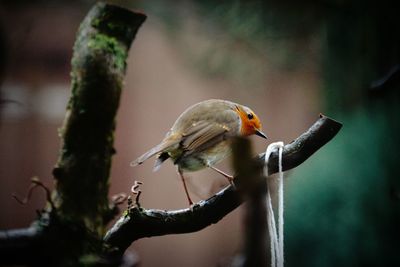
[340,210]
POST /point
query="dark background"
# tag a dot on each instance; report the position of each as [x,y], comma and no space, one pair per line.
[286,61]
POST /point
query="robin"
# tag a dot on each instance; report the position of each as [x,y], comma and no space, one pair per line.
[201,137]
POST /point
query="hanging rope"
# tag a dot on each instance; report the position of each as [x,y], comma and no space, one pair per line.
[276,237]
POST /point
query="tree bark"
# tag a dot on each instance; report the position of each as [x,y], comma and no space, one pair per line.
[70,234]
[98,69]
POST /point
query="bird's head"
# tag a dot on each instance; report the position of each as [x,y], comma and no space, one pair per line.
[250,123]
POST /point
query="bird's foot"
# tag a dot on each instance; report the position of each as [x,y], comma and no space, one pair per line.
[230,178]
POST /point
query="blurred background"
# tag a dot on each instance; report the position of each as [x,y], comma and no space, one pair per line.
[286,61]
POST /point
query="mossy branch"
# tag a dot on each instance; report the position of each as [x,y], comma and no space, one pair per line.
[98,69]
[69,232]
[137,223]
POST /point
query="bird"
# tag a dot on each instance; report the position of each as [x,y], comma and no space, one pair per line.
[201,137]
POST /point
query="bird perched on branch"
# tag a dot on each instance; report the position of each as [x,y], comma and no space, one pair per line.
[201,137]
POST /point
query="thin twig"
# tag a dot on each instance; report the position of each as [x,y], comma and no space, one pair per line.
[136,191]
[35,182]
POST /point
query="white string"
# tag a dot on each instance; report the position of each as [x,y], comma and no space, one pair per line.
[276,237]
[271,229]
[280,208]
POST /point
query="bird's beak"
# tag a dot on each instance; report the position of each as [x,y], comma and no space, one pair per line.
[261,134]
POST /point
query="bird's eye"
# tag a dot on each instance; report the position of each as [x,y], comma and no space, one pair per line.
[250,116]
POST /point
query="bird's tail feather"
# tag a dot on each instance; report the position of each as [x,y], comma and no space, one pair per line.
[159,149]
[152,152]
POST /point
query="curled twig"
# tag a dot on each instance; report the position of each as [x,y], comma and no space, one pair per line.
[35,182]
[136,191]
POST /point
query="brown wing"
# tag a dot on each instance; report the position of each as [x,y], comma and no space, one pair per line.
[197,137]
[203,135]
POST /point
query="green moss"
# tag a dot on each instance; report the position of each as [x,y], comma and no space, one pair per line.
[114,26]
[97,68]
[96,22]
[110,45]
[125,213]
[89,260]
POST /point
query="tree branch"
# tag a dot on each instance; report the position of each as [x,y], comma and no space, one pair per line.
[137,223]
[295,153]
[98,69]
[16,243]
[81,205]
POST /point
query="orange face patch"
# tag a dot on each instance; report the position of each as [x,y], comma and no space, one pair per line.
[250,121]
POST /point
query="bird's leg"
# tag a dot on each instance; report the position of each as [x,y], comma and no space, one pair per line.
[184,186]
[227,176]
